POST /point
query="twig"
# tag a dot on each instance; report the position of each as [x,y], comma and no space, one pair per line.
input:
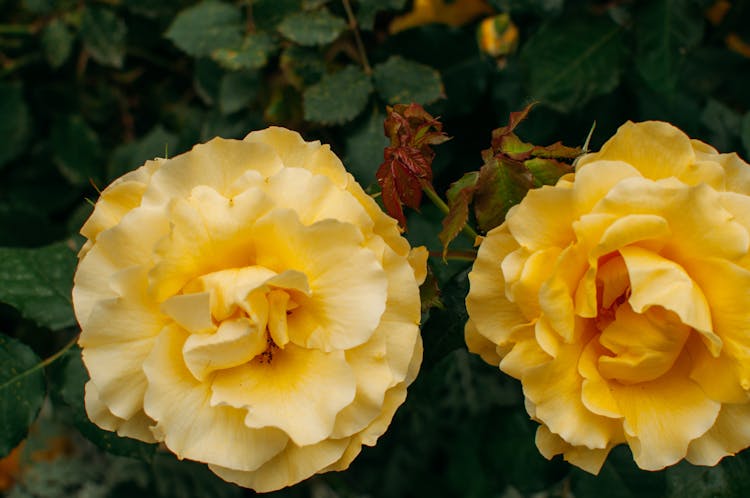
[357,38]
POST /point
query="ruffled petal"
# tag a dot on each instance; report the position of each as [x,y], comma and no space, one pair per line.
[215,434]
[292,382]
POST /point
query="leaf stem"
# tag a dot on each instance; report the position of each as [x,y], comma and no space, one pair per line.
[357,37]
[16,29]
[50,360]
[42,364]
[440,203]
[467,255]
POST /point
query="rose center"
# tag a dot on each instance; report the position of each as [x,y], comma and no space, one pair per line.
[640,346]
[236,316]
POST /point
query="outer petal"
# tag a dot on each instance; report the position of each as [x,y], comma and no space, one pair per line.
[495,317]
[292,465]
[729,435]
[656,149]
[215,434]
[663,416]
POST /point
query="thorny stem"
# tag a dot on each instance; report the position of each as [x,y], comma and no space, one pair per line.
[357,38]
[440,203]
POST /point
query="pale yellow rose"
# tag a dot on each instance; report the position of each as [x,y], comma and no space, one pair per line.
[250,307]
[620,298]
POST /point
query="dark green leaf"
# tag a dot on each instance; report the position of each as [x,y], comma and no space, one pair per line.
[620,478]
[39,6]
[267,14]
[312,28]
[367,10]
[339,97]
[237,90]
[207,80]
[103,35]
[399,80]
[723,122]
[665,31]
[77,152]
[364,147]
[571,61]
[745,134]
[69,378]
[57,42]
[205,27]
[443,331]
[253,54]
[15,121]
[22,391]
[302,66]
[37,283]
[186,479]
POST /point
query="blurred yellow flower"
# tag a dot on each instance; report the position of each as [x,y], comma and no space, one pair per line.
[620,298]
[455,13]
[497,36]
[249,306]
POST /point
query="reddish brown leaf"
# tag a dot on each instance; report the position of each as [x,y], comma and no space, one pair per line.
[556,151]
[407,162]
[391,200]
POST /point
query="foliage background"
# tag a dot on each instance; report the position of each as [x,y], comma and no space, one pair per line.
[89,89]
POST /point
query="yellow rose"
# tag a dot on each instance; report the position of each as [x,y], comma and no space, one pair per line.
[250,307]
[620,298]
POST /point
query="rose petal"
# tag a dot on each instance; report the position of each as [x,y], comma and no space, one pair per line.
[664,415]
[187,422]
[295,381]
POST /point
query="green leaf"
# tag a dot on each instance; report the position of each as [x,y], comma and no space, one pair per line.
[368,9]
[502,184]
[302,66]
[723,122]
[158,142]
[745,134]
[547,171]
[103,35]
[39,6]
[443,331]
[318,27]
[364,147]
[205,27]
[337,98]
[400,80]
[460,195]
[69,377]
[22,391]
[571,61]
[186,479]
[665,31]
[15,122]
[37,283]
[57,42]
[252,54]
[267,14]
[77,152]
[237,90]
